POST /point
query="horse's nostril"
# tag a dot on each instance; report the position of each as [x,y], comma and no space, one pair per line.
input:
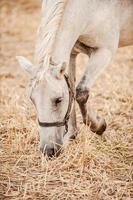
[50,152]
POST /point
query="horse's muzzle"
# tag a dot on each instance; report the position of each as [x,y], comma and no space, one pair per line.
[51,152]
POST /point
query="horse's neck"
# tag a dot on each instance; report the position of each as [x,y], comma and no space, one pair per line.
[58,40]
[67,34]
[63,45]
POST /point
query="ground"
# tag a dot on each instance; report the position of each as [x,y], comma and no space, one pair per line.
[93,167]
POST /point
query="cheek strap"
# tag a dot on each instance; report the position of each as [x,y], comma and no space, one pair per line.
[67,115]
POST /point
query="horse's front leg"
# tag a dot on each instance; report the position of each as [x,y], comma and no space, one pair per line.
[72,125]
[97,62]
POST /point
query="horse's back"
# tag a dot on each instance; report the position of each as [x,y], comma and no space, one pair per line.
[107,20]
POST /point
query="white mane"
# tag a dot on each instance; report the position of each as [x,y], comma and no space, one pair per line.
[52,11]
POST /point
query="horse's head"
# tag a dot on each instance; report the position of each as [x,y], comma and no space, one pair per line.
[50,94]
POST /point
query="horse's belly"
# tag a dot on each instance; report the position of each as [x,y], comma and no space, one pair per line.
[126,37]
[126,24]
[88,40]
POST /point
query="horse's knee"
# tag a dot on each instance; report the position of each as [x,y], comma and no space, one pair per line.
[82,95]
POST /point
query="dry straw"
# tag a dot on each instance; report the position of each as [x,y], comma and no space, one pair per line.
[98,168]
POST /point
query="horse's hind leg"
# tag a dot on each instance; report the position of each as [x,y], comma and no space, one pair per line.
[97,62]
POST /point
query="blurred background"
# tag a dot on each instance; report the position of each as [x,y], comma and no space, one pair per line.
[93,167]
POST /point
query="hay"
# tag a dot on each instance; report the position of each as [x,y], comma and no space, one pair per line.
[98,168]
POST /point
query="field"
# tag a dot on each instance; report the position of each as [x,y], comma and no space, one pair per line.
[92,167]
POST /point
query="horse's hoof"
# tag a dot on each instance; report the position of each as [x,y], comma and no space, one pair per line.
[100,129]
[72,137]
[69,137]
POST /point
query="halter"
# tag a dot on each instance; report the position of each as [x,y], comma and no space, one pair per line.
[67,115]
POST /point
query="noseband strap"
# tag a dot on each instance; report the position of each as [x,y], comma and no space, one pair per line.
[67,116]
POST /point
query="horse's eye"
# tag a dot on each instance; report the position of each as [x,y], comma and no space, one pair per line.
[58,100]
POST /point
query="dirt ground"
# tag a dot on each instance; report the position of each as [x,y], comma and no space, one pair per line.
[93,167]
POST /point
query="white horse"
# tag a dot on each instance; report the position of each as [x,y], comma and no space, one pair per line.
[68,27]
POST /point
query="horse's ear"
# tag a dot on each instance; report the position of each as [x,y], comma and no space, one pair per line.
[59,70]
[25,64]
